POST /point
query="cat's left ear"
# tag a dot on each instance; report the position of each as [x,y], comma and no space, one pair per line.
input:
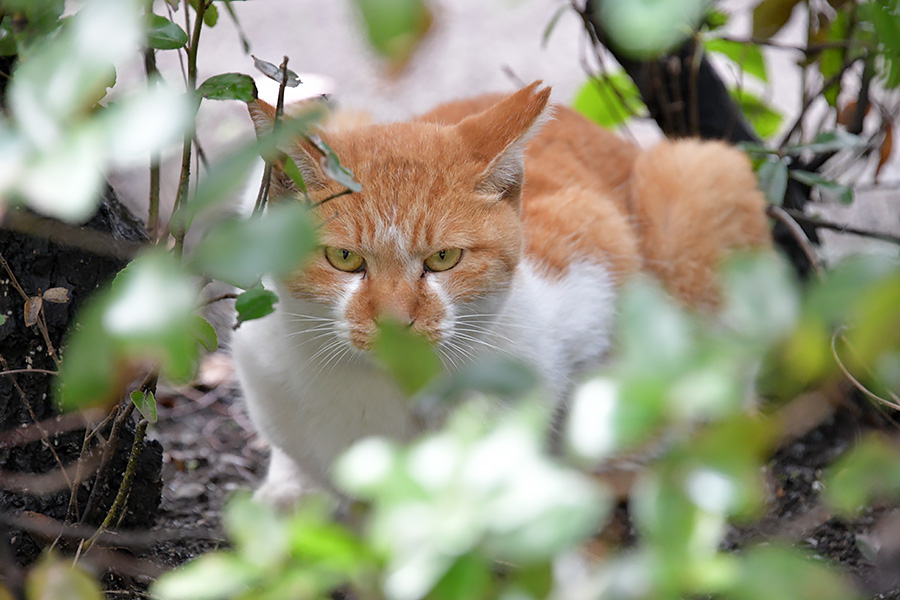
[498,137]
[263,115]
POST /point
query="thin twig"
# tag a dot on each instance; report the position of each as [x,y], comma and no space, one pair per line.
[152,76]
[262,197]
[841,228]
[856,383]
[23,371]
[782,215]
[41,322]
[343,192]
[219,298]
[187,143]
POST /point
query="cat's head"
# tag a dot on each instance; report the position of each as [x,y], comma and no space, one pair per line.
[436,231]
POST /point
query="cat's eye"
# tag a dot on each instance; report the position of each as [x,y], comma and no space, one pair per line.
[344,260]
[443,260]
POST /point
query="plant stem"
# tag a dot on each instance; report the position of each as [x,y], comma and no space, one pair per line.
[125,487]
[152,76]
[191,88]
[263,197]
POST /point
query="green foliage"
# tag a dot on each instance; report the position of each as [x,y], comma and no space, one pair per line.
[145,402]
[453,500]
[240,251]
[394,27]
[869,472]
[40,20]
[648,28]
[746,55]
[255,303]
[409,358]
[884,18]
[610,100]
[303,555]
[145,317]
[54,146]
[228,86]
[333,167]
[842,192]
[773,179]
[275,73]
[765,119]
[52,579]
[164,34]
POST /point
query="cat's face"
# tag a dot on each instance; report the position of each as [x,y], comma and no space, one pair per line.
[436,232]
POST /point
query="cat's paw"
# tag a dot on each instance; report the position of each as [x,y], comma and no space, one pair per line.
[283,495]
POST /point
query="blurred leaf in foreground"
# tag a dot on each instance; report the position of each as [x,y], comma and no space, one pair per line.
[395,27]
[610,100]
[144,320]
[648,28]
[240,252]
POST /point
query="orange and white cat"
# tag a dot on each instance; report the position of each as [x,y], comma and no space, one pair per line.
[492,224]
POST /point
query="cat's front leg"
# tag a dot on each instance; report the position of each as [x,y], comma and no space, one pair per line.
[286,483]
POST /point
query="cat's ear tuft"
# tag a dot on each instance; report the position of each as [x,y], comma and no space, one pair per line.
[498,137]
[263,115]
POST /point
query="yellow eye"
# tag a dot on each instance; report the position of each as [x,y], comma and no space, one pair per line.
[344,260]
[443,260]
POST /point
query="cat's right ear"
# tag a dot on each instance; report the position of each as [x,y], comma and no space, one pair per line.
[302,152]
[497,138]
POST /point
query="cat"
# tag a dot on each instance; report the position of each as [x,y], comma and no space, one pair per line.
[499,223]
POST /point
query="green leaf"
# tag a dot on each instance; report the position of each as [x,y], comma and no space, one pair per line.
[259,536]
[828,141]
[773,178]
[609,101]
[145,403]
[844,193]
[54,579]
[760,297]
[394,28]
[146,316]
[468,579]
[408,357]
[2,319]
[205,333]
[648,28]
[778,573]
[163,34]
[748,56]
[869,472]
[716,19]
[229,175]
[213,576]
[275,73]
[290,168]
[229,86]
[765,119]
[255,303]
[240,252]
[770,16]
[332,166]
[831,60]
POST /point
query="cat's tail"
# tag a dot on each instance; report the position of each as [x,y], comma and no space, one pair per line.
[696,201]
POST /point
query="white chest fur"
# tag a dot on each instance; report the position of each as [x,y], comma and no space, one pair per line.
[312,398]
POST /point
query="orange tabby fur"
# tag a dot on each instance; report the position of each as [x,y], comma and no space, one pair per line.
[674,210]
[548,214]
